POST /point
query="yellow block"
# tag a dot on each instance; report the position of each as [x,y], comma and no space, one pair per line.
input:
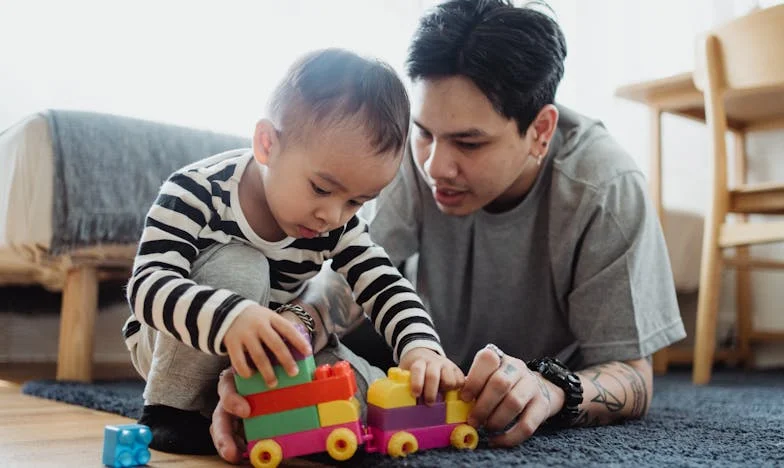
[338,412]
[457,410]
[394,391]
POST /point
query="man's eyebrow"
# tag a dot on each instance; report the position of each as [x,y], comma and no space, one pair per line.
[468,133]
[340,186]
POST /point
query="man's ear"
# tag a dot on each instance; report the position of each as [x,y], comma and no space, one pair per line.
[265,141]
[544,125]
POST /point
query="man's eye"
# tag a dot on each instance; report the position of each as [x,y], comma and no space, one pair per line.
[424,134]
[468,146]
[318,190]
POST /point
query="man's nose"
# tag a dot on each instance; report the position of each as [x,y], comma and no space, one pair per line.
[440,164]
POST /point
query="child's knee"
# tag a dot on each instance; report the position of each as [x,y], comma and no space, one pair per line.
[237,267]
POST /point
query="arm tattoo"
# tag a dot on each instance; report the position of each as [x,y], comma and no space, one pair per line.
[613,391]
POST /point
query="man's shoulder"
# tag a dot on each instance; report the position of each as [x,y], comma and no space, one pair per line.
[588,159]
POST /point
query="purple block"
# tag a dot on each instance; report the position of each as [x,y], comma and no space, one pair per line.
[406,417]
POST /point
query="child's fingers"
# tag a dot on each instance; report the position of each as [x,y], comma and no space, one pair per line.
[459,376]
[238,362]
[448,379]
[278,347]
[417,370]
[287,329]
[432,381]
[262,362]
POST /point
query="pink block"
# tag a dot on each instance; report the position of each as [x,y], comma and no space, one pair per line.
[388,419]
[427,437]
[313,441]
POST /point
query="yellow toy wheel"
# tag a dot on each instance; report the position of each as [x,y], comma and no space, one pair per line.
[464,437]
[266,454]
[341,444]
[401,444]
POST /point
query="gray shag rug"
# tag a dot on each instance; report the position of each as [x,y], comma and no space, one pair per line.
[737,420]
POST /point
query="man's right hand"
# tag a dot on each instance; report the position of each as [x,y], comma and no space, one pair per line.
[226,427]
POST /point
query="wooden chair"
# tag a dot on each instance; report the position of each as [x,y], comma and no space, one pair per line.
[740,69]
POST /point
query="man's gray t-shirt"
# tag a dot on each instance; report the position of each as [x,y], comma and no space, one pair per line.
[579,264]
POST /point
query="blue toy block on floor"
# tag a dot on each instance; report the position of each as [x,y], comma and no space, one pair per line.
[126,445]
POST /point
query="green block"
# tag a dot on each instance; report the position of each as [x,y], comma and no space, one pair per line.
[285,422]
[255,383]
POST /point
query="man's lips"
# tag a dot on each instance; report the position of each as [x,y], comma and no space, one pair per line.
[449,197]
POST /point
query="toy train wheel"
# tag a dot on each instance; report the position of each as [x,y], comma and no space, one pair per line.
[266,454]
[401,444]
[464,437]
[341,444]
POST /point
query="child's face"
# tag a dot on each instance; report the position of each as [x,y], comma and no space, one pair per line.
[316,186]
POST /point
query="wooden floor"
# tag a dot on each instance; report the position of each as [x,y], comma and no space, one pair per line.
[40,433]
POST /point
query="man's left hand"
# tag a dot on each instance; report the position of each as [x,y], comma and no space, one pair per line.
[507,394]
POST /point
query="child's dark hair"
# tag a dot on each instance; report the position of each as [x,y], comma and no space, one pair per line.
[333,87]
[515,56]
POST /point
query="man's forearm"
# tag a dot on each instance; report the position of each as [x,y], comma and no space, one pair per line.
[615,391]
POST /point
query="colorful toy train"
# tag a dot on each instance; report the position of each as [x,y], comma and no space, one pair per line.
[316,411]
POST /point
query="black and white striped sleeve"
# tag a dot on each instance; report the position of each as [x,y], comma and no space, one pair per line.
[160,292]
[384,294]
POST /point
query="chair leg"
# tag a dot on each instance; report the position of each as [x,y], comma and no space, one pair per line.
[660,361]
[77,324]
[707,307]
[743,306]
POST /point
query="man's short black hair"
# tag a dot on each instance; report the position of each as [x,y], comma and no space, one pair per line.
[334,87]
[514,55]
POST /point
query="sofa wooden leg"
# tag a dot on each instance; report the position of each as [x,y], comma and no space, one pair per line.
[77,324]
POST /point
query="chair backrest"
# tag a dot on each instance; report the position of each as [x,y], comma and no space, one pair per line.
[749,52]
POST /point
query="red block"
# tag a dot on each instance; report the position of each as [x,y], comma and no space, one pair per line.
[330,383]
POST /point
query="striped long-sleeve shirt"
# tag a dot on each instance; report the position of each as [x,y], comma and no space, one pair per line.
[197,207]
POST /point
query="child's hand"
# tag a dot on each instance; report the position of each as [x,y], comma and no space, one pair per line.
[429,370]
[259,325]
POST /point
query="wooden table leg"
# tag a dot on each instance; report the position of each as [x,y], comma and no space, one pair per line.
[660,361]
[77,324]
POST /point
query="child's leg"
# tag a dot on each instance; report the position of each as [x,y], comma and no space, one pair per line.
[180,393]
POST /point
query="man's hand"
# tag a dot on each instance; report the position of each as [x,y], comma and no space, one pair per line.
[255,328]
[508,393]
[226,427]
[430,372]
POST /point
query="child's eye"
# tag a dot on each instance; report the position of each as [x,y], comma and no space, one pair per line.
[355,203]
[318,190]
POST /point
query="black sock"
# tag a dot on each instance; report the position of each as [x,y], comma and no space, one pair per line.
[178,431]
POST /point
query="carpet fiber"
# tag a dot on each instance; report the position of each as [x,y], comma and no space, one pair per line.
[738,420]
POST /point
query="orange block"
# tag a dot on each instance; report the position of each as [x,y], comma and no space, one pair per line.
[329,383]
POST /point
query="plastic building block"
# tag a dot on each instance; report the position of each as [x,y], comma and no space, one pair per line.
[457,410]
[329,383]
[392,443]
[284,422]
[338,412]
[406,417]
[256,384]
[126,445]
[392,392]
[335,440]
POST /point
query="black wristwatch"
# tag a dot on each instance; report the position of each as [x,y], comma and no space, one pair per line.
[301,314]
[556,372]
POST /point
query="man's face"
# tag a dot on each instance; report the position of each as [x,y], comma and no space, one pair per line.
[471,156]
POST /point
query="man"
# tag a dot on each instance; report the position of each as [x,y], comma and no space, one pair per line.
[535,236]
